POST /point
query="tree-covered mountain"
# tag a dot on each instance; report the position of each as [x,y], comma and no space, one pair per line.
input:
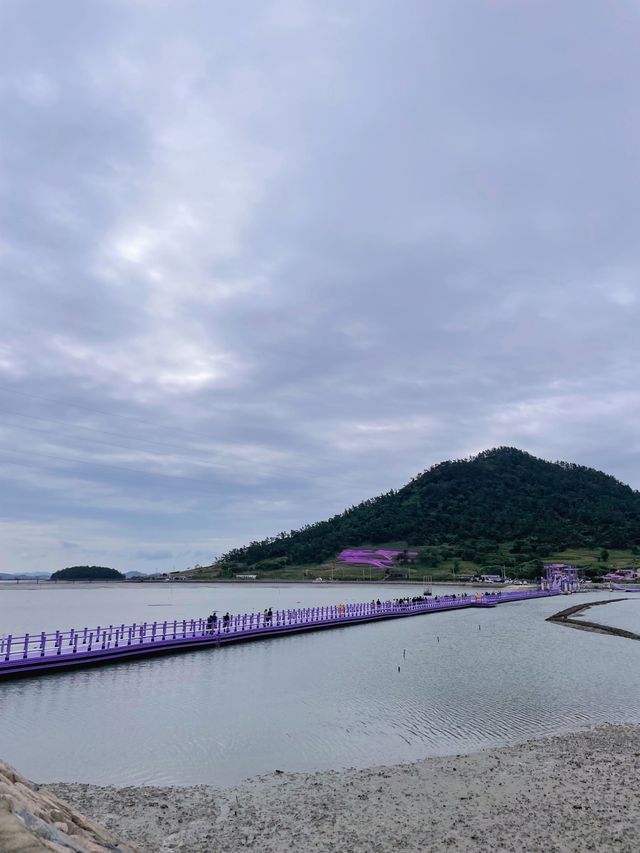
[470,505]
[87,573]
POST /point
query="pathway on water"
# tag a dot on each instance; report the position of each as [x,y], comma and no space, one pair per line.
[39,653]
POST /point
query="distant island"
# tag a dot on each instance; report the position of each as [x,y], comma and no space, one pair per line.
[503,511]
[87,573]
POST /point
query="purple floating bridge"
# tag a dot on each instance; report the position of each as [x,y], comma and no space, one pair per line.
[40,653]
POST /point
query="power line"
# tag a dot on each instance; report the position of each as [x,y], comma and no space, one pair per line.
[83,426]
[110,414]
[189,460]
[73,461]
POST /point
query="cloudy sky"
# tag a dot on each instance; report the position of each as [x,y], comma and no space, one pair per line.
[262,260]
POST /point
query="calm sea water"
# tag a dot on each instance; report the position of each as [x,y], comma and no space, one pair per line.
[333,699]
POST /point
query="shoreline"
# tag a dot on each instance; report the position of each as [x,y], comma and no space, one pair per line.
[271,582]
[570,793]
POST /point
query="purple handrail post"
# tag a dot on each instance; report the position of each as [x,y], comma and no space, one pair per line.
[153,632]
[175,628]
[59,650]
[75,643]
[184,629]
[164,631]
[43,642]
[90,641]
[26,645]
[8,654]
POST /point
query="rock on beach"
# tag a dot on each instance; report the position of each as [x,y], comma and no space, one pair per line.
[33,819]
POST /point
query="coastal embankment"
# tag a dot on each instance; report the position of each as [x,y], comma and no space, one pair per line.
[564,618]
[34,820]
[570,793]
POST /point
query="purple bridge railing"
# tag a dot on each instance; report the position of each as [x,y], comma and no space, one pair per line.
[36,653]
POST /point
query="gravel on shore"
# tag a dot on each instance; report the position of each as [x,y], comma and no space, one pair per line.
[575,792]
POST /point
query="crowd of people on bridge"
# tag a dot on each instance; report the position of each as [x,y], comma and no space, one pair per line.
[215,625]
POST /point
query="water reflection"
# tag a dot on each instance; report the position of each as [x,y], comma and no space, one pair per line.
[312,701]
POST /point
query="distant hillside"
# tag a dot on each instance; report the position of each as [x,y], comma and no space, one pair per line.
[500,496]
[26,576]
[87,573]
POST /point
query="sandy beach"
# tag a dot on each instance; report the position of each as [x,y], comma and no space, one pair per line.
[575,792]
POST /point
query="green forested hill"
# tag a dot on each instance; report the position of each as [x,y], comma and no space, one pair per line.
[469,506]
[87,573]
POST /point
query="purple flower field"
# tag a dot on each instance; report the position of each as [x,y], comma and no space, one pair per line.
[380,558]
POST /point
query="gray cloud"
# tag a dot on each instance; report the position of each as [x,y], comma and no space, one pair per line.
[259,265]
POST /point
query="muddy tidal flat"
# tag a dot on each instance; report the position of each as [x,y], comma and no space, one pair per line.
[574,792]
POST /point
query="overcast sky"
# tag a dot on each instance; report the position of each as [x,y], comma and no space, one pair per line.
[262,260]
